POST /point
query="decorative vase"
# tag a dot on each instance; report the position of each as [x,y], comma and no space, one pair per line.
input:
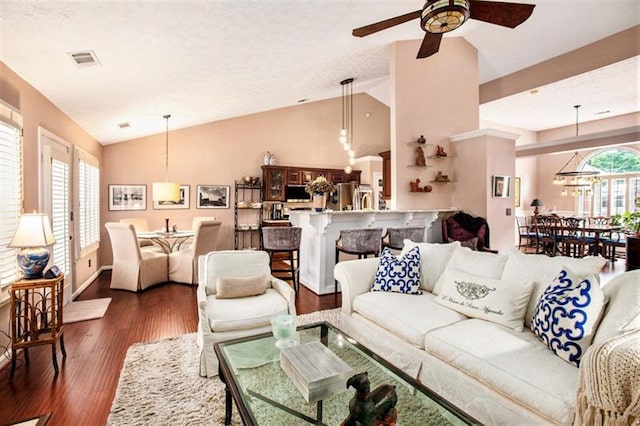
[319,201]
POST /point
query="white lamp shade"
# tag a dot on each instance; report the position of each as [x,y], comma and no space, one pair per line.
[166,191]
[33,231]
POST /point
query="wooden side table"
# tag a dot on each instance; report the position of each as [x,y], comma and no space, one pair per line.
[36,317]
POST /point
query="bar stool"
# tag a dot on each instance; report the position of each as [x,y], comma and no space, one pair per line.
[396,236]
[280,239]
[361,242]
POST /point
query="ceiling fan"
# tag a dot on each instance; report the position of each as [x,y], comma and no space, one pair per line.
[441,16]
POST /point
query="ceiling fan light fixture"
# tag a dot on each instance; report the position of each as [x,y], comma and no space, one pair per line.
[442,16]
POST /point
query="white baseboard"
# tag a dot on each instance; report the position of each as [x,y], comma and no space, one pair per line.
[89,280]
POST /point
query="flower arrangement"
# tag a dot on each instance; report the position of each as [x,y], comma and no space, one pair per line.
[319,185]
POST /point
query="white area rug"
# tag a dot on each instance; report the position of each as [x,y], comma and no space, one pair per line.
[84,310]
[160,385]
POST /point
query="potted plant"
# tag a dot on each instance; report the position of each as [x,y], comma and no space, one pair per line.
[318,188]
[630,221]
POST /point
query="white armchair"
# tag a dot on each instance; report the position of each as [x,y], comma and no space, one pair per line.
[222,319]
[183,264]
[134,268]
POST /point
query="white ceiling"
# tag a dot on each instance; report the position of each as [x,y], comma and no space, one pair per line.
[203,61]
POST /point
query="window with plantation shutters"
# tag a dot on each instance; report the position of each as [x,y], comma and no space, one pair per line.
[10,190]
[88,203]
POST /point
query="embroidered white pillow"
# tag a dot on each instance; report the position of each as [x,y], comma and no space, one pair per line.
[567,314]
[398,275]
[500,301]
[483,264]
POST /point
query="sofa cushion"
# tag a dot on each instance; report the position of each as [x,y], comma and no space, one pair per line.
[622,313]
[400,275]
[245,313]
[495,300]
[407,316]
[568,313]
[514,364]
[236,287]
[483,264]
[543,269]
[433,259]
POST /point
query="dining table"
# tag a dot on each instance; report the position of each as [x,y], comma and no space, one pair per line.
[591,230]
[169,241]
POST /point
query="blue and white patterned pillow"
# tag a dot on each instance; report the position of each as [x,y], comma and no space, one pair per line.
[398,275]
[567,315]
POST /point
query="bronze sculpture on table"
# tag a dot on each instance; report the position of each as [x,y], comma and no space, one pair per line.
[369,408]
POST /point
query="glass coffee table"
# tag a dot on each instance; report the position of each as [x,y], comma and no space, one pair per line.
[264,394]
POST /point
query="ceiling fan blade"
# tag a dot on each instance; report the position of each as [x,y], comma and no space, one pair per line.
[430,45]
[387,23]
[506,14]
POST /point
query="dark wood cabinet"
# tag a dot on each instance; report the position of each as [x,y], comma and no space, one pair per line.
[386,174]
[275,178]
[633,252]
[294,177]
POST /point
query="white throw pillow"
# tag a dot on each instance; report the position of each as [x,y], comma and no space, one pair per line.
[398,275]
[490,299]
[483,264]
[567,314]
[433,259]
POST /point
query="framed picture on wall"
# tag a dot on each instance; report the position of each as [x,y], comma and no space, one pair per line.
[516,192]
[212,196]
[501,186]
[127,197]
[182,203]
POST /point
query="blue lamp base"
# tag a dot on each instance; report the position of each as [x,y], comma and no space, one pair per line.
[32,261]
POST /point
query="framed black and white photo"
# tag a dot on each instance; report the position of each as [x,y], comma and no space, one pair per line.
[212,196]
[127,197]
[182,203]
[501,186]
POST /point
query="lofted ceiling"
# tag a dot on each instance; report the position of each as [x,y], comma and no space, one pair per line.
[203,61]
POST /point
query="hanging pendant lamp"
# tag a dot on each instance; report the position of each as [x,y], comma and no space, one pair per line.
[166,191]
[346,132]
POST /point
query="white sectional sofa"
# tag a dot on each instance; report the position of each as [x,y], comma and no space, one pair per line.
[495,373]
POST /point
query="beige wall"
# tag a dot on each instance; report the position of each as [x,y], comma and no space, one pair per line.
[37,111]
[435,97]
[221,152]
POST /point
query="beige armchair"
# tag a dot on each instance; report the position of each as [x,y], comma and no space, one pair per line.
[183,264]
[134,268]
[221,318]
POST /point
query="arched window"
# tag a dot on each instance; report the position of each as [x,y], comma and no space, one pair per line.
[619,184]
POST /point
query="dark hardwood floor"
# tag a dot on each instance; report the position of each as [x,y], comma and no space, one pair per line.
[83,391]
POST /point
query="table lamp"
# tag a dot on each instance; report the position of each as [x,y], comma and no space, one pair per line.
[536,203]
[32,236]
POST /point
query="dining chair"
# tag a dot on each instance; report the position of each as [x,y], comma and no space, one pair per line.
[548,230]
[574,240]
[197,219]
[606,240]
[183,264]
[525,231]
[141,225]
[134,268]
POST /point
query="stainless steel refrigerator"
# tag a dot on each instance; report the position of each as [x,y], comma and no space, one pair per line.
[342,198]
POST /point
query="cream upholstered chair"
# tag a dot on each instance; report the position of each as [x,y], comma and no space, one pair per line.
[141,225]
[183,264]
[134,268]
[229,318]
[197,219]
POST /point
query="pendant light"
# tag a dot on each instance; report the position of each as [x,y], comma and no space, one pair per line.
[166,191]
[346,132]
[570,178]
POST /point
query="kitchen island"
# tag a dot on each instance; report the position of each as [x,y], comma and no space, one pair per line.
[320,230]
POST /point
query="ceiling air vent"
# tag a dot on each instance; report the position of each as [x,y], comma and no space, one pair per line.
[85,58]
[124,125]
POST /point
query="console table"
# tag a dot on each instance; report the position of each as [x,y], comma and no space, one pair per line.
[36,317]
